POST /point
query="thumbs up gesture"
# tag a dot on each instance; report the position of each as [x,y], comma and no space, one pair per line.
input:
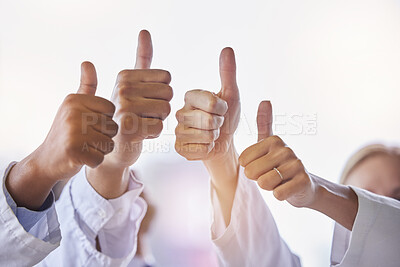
[82,131]
[275,166]
[81,134]
[207,122]
[141,97]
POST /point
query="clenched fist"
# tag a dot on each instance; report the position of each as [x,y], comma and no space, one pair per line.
[141,97]
[275,166]
[81,134]
[207,122]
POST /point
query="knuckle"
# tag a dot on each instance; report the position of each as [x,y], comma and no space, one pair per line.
[188,95]
[275,139]
[70,99]
[124,89]
[287,151]
[298,164]
[123,74]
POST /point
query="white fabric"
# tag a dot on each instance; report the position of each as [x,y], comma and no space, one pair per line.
[375,238]
[84,214]
[252,238]
[21,248]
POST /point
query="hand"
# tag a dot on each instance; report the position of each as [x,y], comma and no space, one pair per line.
[275,167]
[290,180]
[141,97]
[206,125]
[81,134]
[207,122]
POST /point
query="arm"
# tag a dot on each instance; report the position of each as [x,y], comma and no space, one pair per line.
[276,168]
[205,132]
[28,213]
[141,97]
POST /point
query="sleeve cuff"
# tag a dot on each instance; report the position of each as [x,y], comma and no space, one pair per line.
[112,221]
[26,217]
[43,237]
[220,233]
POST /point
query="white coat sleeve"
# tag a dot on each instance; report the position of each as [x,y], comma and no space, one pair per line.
[85,215]
[251,238]
[26,242]
[375,237]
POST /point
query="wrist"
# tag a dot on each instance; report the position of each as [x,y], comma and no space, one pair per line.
[28,182]
[224,169]
[337,201]
[109,180]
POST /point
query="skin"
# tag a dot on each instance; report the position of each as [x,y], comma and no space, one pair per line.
[206,125]
[205,129]
[297,187]
[379,173]
[141,97]
[81,134]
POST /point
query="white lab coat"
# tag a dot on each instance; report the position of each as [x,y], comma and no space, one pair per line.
[83,215]
[252,239]
[22,248]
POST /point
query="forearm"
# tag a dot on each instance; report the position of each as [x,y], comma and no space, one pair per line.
[338,202]
[224,177]
[28,183]
[108,179]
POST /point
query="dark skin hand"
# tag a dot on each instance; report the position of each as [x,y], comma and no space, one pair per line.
[81,134]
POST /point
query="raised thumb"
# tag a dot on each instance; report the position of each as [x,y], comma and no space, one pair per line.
[144,53]
[227,72]
[264,120]
[88,79]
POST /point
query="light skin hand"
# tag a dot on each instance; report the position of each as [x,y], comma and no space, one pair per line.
[206,125]
[141,97]
[296,185]
[81,134]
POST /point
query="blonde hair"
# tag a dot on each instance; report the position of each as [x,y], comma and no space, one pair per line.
[366,152]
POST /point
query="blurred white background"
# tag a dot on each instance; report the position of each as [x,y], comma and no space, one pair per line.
[336,62]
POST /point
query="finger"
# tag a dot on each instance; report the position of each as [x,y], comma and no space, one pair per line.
[88,83]
[264,120]
[151,127]
[147,90]
[147,108]
[97,104]
[295,186]
[199,119]
[267,162]
[134,129]
[99,141]
[135,76]
[192,135]
[227,72]
[259,149]
[100,123]
[193,151]
[206,101]
[144,53]
[91,157]
[270,180]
